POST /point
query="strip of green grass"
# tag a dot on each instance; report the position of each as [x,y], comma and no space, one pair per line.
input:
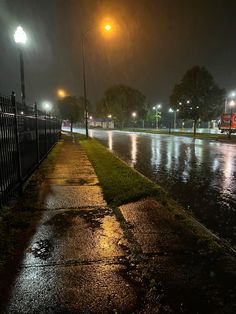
[119,182]
[122,184]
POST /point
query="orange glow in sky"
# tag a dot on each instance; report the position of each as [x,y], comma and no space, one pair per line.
[61,93]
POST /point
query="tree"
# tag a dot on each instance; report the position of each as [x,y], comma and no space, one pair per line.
[71,108]
[197,96]
[120,101]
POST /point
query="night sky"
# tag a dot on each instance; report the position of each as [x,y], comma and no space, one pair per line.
[152,44]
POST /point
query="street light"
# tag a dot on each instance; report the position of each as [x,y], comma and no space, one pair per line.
[229,96]
[47,106]
[231,105]
[158,113]
[107,28]
[134,115]
[20,39]
[61,93]
[175,113]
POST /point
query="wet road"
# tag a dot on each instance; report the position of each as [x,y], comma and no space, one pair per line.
[201,174]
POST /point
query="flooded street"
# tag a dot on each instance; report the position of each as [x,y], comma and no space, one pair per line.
[200,174]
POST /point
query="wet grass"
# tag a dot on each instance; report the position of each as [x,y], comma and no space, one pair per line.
[122,184]
[119,182]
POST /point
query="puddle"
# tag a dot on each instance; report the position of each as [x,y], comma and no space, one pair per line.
[63,221]
[42,249]
[77,181]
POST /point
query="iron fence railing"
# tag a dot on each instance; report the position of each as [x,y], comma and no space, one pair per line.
[26,136]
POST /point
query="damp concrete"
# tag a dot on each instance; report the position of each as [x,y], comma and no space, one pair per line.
[76,261]
[85,257]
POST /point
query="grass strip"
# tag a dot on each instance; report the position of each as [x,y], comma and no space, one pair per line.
[122,184]
[119,182]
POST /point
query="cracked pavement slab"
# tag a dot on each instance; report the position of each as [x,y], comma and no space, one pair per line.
[81,235]
[57,197]
[154,228]
[75,264]
[74,289]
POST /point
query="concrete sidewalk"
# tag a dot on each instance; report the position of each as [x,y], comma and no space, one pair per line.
[81,261]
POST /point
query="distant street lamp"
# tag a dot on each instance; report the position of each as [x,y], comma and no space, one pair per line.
[157,115]
[230,96]
[134,115]
[231,105]
[20,39]
[175,114]
[107,28]
[47,106]
[61,93]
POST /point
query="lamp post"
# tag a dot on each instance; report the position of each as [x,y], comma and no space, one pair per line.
[231,105]
[175,113]
[157,114]
[47,106]
[134,115]
[61,93]
[107,28]
[231,95]
[20,39]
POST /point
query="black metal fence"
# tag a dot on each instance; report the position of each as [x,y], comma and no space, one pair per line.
[26,136]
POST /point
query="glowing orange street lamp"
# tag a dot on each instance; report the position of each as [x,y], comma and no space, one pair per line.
[61,93]
[107,28]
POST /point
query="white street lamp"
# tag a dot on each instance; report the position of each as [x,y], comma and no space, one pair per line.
[157,114]
[47,106]
[231,96]
[20,35]
[175,113]
[231,105]
[20,39]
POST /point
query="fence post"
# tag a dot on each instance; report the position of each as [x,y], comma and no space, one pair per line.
[17,136]
[37,132]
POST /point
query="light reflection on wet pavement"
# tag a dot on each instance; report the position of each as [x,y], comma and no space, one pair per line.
[80,260]
[201,174]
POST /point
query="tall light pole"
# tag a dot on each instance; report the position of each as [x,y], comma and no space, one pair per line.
[157,114]
[175,114]
[231,95]
[231,105]
[20,39]
[107,28]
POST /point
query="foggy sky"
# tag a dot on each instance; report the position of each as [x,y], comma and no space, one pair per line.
[153,44]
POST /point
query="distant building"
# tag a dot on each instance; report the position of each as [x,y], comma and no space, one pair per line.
[103,123]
